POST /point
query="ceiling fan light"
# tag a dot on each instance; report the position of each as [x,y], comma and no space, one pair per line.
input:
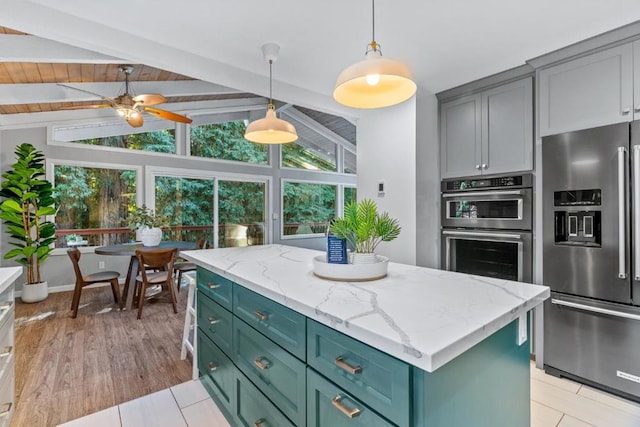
[271,129]
[375,82]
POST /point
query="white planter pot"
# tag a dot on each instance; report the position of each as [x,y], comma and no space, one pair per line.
[150,236]
[359,258]
[35,293]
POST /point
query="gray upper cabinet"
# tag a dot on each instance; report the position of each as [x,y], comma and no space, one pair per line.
[593,90]
[636,80]
[488,133]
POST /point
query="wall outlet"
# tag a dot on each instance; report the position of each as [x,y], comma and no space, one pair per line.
[101,265]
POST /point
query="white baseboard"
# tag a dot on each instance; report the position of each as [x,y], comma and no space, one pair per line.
[64,288]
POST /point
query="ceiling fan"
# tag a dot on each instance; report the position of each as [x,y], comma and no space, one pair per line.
[132,106]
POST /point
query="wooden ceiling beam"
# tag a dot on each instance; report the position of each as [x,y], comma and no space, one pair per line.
[34,93]
[18,48]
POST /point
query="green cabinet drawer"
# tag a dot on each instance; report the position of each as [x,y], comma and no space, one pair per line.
[274,371]
[217,372]
[376,378]
[215,321]
[253,409]
[215,287]
[330,406]
[281,324]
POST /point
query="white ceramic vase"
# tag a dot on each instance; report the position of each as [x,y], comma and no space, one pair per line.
[150,236]
[35,292]
[360,258]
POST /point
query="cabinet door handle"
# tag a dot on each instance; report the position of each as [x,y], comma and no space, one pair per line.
[626,111]
[260,315]
[351,413]
[212,367]
[6,408]
[212,320]
[637,108]
[6,306]
[212,285]
[262,363]
[484,166]
[258,422]
[478,167]
[345,366]
[6,351]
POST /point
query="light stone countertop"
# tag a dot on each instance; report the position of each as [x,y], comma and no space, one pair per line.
[8,275]
[423,316]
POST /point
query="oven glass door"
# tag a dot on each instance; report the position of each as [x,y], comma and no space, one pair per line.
[509,209]
[502,255]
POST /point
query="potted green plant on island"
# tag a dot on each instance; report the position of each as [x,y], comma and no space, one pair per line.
[147,225]
[364,228]
[28,200]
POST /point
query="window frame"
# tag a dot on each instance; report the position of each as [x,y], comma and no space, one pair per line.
[284,181]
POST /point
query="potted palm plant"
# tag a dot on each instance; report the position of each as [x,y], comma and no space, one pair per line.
[147,225]
[364,228]
[28,199]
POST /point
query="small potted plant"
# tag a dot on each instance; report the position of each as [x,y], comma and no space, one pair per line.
[28,200]
[147,224]
[364,228]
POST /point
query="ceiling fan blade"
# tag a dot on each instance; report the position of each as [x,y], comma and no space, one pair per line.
[135,120]
[147,99]
[168,115]
[106,98]
[83,107]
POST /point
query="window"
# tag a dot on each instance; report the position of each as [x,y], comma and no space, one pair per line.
[350,162]
[350,195]
[188,205]
[226,141]
[303,155]
[241,213]
[93,204]
[161,141]
[307,208]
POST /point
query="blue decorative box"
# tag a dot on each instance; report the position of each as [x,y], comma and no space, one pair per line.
[336,250]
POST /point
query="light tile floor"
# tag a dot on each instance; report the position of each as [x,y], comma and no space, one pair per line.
[555,402]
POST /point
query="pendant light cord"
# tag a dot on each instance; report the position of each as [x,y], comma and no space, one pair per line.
[373,20]
[270,79]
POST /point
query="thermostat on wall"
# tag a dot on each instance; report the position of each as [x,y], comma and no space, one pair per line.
[380,188]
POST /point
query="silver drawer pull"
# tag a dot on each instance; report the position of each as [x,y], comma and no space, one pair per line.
[6,408]
[351,413]
[212,320]
[6,306]
[6,351]
[340,363]
[262,363]
[212,367]
[260,315]
[258,422]
[212,285]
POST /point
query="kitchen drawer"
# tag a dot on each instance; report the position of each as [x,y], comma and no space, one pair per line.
[215,321]
[275,372]
[330,406]
[216,370]
[6,309]
[283,325]
[215,287]
[379,380]
[253,409]
[7,401]
[6,344]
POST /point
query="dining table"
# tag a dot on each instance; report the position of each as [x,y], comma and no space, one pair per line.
[129,249]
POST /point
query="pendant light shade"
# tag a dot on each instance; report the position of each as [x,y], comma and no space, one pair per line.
[374,82]
[271,129]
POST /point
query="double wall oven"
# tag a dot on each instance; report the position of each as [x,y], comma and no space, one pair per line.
[486,226]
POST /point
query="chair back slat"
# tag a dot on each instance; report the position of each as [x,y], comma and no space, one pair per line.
[156,259]
[74,254]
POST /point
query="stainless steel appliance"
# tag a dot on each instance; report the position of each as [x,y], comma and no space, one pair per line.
[486,226]
[591,256]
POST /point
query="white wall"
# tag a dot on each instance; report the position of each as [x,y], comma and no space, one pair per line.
[386,140]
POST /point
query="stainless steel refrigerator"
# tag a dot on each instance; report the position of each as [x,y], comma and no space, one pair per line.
[591,256]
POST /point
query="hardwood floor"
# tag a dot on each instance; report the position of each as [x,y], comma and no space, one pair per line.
[67,368]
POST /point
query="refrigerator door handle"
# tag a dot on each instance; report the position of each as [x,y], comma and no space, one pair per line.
[593,309]
[636,212]
[622,215]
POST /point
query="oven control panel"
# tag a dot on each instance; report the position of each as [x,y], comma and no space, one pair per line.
[486,183]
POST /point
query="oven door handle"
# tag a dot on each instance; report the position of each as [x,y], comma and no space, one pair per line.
[479,194]
[513,236]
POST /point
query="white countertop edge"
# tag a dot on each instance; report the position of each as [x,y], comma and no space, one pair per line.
[8,275]
[423,361]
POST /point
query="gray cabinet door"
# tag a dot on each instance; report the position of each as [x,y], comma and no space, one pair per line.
[460,133]
[507,131]
[636,80]
[591,91]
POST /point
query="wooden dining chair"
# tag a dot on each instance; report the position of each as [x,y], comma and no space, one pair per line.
[161,260]
[90,279]
[185,266]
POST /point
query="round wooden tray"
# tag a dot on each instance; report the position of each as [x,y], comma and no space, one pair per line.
[350,272]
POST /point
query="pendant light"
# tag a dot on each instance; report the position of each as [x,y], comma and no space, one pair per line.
[376,81]
[271,129]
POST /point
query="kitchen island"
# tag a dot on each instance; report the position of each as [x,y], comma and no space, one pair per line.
[421,347]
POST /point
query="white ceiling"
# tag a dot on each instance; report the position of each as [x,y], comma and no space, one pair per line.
[445,42]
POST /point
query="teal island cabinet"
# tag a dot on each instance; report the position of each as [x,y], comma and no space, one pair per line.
[279,347]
